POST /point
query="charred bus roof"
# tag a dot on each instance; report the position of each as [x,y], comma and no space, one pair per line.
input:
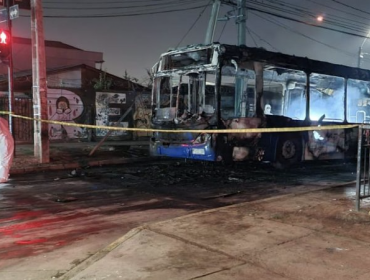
[244,54]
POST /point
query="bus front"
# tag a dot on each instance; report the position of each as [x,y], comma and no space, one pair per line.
[183,98]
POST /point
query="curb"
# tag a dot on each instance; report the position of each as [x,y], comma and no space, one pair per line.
[100,254]
[76,165]
[242,204]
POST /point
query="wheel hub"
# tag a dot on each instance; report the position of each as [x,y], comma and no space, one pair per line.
[288,149]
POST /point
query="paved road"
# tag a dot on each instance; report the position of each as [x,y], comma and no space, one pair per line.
[74,214]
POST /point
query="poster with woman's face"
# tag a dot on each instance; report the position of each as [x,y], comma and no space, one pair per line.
[64,106]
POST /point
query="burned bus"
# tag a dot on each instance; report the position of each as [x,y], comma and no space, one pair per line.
[213,87]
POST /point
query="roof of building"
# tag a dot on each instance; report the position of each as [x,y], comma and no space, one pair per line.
[68,68]
[53,44]
[28,74]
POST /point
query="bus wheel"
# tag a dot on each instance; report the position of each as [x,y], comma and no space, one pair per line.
[288,152]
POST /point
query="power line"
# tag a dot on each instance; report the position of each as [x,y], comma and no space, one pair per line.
[120,15]
[351,7]
[250,34]
[304,35]
[173,2]
[335,20]
[339,10]
[99,2]
[195,22]
[142,9]
[299,13]
[297,20]
[309,24]
[283,10]
[263,40]
[222,31]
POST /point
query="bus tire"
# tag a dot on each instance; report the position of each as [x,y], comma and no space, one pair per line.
[288,151]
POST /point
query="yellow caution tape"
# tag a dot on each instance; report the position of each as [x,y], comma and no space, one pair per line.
[243,130]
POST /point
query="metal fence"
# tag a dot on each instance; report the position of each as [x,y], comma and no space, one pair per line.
[363,165]
[23,129]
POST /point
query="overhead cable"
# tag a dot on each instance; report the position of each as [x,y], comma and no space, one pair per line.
[195,22]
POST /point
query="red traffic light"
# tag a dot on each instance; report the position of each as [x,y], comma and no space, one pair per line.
[4,37]
[5,44]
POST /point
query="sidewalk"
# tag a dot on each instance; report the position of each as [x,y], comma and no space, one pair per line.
[74,155]
[314,235]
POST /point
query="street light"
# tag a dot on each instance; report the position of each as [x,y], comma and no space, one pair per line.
[320,18]
[360,53]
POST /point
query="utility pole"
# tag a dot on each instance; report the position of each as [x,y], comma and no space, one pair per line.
[241,22]
[359,57]
[241,99]
[212,22]
[241,18]
[41,134]
[10,73]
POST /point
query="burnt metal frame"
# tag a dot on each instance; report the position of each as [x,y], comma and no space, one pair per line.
[258,55]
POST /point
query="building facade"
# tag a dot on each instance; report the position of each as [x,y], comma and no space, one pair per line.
[76,94]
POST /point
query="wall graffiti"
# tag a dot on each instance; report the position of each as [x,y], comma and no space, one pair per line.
[108,110]
[142,113]
[66,106]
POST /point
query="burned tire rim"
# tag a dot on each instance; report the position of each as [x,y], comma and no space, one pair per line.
[288,149]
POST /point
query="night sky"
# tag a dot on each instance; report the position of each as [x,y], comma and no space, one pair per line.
[134,43]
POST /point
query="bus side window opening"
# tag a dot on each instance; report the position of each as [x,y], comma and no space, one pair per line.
[358,101]
[326,97]
[284,92]
[237,92]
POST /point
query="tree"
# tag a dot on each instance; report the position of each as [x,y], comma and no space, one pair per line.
[128,77]
[103,83]
[146,81]
[150,78]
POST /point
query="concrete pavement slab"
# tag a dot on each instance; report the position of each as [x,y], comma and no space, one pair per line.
[231,231]
[318,256]
[235,243]
[363,277]
[244,272]
[330,210]
[30,275]
[50,264]
[149,255]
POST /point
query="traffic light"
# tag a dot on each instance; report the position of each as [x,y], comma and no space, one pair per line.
[5,44]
